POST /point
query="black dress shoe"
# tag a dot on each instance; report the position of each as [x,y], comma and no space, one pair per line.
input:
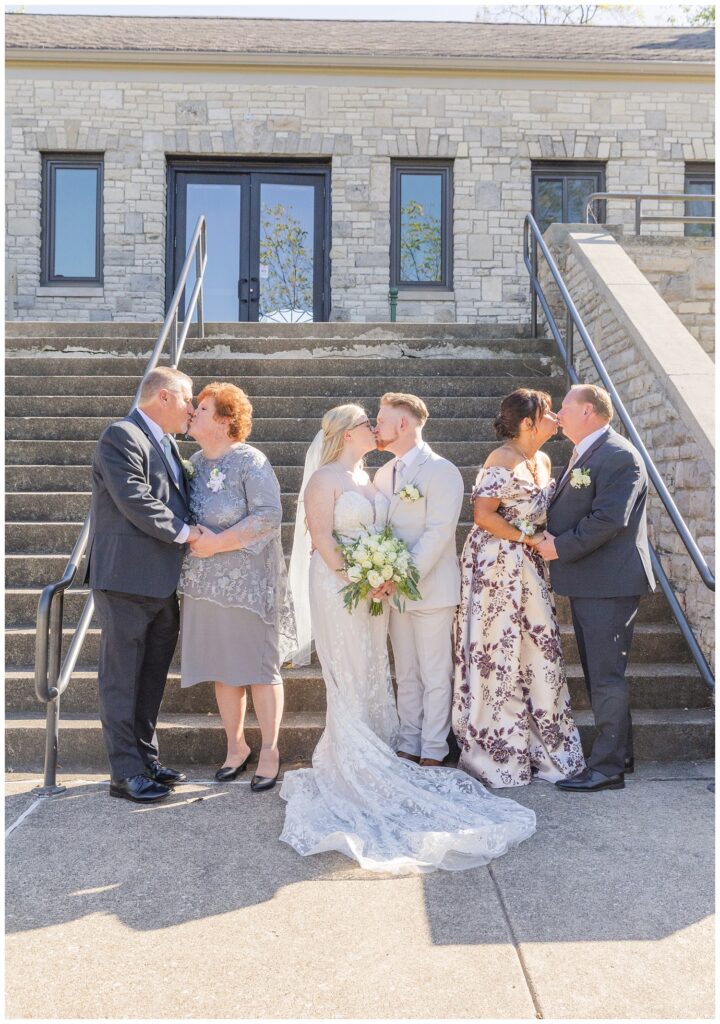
[590,781]
[138,788]
[629,766]
[229,773]
[165,776]
[260,782]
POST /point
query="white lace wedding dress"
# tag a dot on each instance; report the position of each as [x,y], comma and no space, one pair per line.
[359,798]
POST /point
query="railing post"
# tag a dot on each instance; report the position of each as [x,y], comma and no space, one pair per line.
[199,258]
[52,727]
[569,340]
[533,293]
[393,294]
[174,339]
[638,201]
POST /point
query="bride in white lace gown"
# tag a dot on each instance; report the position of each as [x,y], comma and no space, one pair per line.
[359,798]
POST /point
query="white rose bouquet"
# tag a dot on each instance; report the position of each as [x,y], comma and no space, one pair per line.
[372,560]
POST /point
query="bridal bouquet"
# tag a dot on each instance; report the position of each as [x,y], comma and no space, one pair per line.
[372,560]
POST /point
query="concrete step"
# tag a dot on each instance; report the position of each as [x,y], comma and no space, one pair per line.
[313,406]
[652,686]
[283,383]
[59,537]
[358,345]
[21,607]
[280,453]
[55,479]
[275,428]
[653,643]
[659,735]
[17,330]
[230,367]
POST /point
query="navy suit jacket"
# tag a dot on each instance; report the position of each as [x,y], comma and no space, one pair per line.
[601,530]
[137,511]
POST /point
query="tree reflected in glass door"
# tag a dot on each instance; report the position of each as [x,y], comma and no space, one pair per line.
[287,247]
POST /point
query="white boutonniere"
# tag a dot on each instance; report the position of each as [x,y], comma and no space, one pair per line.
[217,481]
[525,526]
[580,478]
[409,493]
[188,468]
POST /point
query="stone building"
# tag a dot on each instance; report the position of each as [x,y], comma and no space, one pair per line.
[333,160]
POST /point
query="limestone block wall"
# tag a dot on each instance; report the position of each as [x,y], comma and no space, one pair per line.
[683,272]
[670,401]
[491,128]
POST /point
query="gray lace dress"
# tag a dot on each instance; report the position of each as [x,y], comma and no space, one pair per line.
[237,621]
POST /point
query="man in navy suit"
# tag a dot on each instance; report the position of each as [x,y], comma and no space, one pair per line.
[140,526]
[597,548]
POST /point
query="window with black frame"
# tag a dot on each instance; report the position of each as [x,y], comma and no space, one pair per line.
[71,222]
[700,180]
[421,224]
[560,192]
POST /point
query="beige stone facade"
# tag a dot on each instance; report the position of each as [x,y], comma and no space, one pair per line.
[644,129]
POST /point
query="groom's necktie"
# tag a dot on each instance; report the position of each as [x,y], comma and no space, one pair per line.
[398,469]
[169,455]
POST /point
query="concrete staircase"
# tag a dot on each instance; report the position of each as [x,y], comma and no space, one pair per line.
[66,381]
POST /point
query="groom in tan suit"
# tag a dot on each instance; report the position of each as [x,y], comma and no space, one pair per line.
[425,493]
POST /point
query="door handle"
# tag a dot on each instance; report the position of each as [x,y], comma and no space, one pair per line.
[243,281]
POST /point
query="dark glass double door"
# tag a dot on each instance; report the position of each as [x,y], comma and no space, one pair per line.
[266,242]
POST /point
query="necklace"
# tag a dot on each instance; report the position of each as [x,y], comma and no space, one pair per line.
[530,463]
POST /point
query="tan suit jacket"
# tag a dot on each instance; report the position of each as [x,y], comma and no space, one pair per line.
[428,525]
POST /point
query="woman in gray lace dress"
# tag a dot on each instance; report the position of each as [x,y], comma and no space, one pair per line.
[237,622]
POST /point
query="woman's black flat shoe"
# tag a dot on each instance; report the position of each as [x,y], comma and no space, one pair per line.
[228,774]
[261,782]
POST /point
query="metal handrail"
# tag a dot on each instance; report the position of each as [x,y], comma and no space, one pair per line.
[574,322]
[52,678]
[637,197]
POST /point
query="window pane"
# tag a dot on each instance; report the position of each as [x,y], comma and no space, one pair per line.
[421,228]
[287,245]
[699,209]
[579,191]
[548,202]
[75,222]
[221,205]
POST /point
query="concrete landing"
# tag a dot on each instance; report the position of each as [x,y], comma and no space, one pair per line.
[193,909]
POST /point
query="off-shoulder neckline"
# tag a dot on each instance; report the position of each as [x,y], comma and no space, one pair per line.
[513,475]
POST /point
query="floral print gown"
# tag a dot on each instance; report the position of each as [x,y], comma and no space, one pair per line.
[511,707]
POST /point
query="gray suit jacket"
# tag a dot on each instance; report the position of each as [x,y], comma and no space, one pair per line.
[601,530]
[137,511]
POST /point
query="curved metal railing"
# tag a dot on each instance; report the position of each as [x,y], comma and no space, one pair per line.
[532,241]
[638,197]
[52,675]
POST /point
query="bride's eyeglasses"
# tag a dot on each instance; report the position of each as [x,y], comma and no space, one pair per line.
[362,423]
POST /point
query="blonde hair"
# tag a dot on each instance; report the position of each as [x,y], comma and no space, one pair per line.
[334,424]
[597,397]
[410,403]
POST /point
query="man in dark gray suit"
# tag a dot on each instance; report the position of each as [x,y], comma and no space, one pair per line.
[597,547]
[140,520]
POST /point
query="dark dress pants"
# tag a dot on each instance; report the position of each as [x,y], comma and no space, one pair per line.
[138,640]
[604,630]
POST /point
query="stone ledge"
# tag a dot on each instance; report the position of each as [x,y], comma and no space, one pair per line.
[686,370]
[68,292]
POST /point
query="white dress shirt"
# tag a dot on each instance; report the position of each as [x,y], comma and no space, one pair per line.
[587,442]
[158,433]
[403,463]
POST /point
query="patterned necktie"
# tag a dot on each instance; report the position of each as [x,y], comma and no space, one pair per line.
[169,455]
[398,469]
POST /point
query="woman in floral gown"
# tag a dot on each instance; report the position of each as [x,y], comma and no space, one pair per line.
[511,707]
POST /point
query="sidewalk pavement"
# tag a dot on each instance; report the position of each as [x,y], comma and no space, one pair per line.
[192,908]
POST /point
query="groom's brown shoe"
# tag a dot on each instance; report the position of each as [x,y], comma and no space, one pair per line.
[428,762]
[590,781]
[408,757]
